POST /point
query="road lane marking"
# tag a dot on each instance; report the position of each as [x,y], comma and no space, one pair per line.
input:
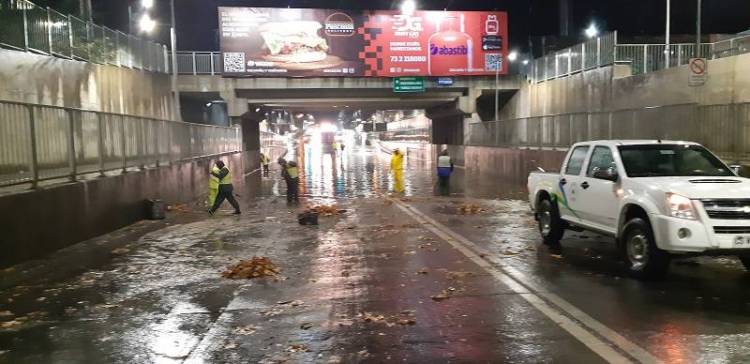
[541,300]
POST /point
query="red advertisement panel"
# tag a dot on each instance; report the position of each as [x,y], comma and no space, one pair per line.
[322,43]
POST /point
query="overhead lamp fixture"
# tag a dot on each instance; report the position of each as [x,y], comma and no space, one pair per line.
[513,56]
[592,31]
[147,24]
[408,7]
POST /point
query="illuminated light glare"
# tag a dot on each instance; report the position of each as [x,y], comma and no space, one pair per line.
[525,62]
[592,31]
[147,24]
[147,4]
[512,56]
[408,7]
[257,110]
[328,128]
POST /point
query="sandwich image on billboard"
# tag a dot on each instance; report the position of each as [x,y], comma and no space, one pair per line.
[293,42]
[285,42]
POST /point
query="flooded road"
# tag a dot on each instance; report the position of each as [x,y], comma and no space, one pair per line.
[412,279]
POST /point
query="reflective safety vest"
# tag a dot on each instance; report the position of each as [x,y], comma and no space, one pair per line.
[264,159]
[227,180]
[213,181]
[444,161]
[293,172]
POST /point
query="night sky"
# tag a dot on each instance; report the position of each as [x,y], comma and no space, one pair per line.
[197,19]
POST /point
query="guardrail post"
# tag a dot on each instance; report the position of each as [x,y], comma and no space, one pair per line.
[169,142]
[25,27]
[583,57]
[72,145]
[140,139]
[123,140]
[195,65]
[156,142]
[49,30]
[32,138]
[557,66]
[570,60]
[213,67]
[100,121]
[679,54]
[70,36]
[645,58]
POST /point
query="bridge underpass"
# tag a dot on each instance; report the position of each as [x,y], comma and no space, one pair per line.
[388,277]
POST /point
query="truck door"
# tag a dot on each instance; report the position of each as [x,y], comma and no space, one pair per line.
[569,184]
[600,195]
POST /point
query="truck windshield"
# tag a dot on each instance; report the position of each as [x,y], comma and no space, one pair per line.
[665,160]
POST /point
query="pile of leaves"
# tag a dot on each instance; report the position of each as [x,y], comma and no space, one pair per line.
[470,209]
[257,267]
[326,210]
[405,318]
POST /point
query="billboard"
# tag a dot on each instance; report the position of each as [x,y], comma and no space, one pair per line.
[287,42]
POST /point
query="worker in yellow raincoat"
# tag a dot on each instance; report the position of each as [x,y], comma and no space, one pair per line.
[397,168]
[213,186]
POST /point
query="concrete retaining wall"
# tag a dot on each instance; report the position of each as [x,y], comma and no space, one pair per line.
[605,89]
[39,222]
[37,79]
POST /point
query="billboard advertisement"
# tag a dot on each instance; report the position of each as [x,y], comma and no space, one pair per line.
[287,42]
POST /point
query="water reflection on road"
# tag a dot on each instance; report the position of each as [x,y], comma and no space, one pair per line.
[363,171]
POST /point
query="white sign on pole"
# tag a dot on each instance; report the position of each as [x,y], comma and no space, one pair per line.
[698,68]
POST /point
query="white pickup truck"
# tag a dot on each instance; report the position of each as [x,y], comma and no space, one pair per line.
[656,198]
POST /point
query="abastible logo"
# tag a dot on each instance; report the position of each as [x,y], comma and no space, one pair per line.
[448,51]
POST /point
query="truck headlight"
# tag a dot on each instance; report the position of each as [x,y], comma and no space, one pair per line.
[680,207]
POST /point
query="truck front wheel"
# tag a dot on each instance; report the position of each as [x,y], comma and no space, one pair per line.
[551,226]
[645,260]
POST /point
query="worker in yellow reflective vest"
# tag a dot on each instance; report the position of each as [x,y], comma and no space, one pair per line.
[213,186]
[226,190]
[397,168]
[290,172]
[264,162]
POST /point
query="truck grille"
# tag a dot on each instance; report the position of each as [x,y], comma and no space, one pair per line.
[732,229]
[727,209]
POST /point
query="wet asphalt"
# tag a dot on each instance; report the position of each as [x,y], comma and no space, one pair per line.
[370,285]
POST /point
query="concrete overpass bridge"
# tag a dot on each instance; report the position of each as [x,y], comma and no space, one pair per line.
[469,98]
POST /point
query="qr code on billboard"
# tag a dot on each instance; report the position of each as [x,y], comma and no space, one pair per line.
[493,62]
[234,62]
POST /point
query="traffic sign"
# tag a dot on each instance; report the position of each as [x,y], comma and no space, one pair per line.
[408,84]
[698,68]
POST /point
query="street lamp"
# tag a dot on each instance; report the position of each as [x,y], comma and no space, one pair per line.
[592,31]
[146,24]
[408,7]
[512,56]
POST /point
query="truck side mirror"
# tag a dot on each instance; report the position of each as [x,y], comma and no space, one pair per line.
[608,174]
[736,168]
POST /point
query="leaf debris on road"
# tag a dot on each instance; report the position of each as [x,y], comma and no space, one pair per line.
[257,267]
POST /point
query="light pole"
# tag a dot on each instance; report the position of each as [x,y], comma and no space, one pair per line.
[697,52]
[173,40]
[667,50]
[146,25]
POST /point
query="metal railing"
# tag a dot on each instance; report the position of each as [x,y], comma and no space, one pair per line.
[40,142]
[643,58]
[594,53]
[28,27]
[723,128]
[198,63]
